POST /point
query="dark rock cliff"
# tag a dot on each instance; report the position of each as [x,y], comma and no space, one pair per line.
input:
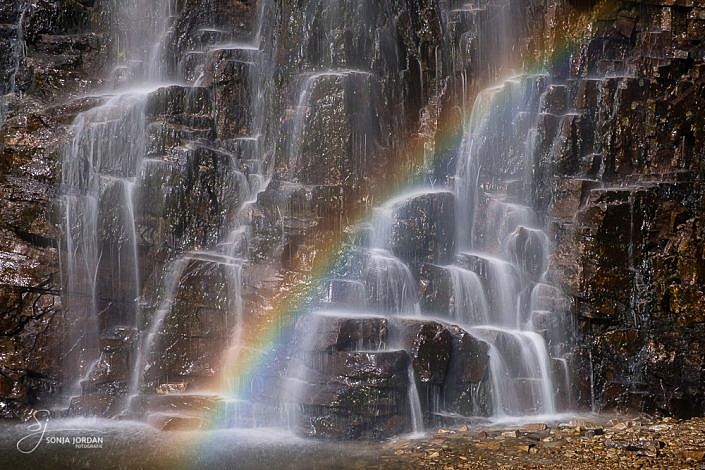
[50,51]
[627,207]
[622,185]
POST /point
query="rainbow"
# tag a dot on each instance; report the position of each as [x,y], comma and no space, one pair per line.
[273,326]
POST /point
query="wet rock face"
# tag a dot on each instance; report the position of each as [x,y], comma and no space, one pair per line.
[465,390]
[627,206]
[227,73]
[367,398]
[436,289]
[103,390]
[48,50]
[347,393]
[189,348]
[356,386]
[67,46]
[424,231]
[338,140]
[337,333]
[203,23]
[429,346]
[10,14]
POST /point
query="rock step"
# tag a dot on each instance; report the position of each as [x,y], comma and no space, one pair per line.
[328,331]
[96,404]
[192,405]
[191,412]
[205,37]
[168,135]
[178,99]
[234,51]
[119,337]
[187,123]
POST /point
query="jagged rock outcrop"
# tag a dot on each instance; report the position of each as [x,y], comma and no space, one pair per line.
[627,206]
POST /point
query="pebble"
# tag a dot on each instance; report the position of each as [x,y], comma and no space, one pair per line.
[534,427]
[697,455]
[488,445]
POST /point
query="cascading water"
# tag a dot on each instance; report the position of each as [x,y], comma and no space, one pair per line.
[100,171]
[112,210]
[497,288]
[100,168]
[171,284]
[414,404]
[140,164]
[469,299]
[388,280]
[142,28]
[495,259]
[504,244]
[248,161]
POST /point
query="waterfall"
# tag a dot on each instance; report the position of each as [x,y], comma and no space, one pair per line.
[502,255]
[99,171]
[187,192]
[251,178]
[509,249]
[494,265]
[118,190]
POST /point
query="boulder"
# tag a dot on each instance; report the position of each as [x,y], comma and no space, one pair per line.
[466,389]
[429,345]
